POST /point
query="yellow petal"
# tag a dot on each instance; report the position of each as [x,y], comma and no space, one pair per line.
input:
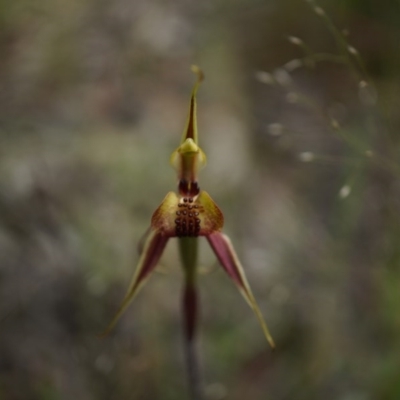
[188,158]
[190,131]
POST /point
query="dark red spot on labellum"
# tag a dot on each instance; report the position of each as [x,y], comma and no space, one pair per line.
[187,224]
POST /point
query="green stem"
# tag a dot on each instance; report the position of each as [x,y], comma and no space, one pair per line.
[188,253]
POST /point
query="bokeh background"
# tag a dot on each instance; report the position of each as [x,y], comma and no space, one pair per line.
[300,124]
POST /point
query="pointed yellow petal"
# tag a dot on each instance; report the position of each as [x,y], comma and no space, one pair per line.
[190,131]
[163,219]
[188,158]
[187,216]
[226,255]
[212,219]
[152,250]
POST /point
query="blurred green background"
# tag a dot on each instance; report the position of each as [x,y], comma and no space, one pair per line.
[303,159]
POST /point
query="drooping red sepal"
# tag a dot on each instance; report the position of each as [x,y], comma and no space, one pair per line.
[226,255]
[153,248]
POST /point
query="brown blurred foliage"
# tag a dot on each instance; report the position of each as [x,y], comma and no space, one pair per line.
[303,155]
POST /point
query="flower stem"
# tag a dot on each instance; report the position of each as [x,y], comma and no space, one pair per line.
[191,355]
[188,252]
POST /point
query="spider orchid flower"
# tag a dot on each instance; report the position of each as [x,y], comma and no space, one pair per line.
[186,215]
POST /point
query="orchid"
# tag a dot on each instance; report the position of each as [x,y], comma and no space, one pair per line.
[186,215]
